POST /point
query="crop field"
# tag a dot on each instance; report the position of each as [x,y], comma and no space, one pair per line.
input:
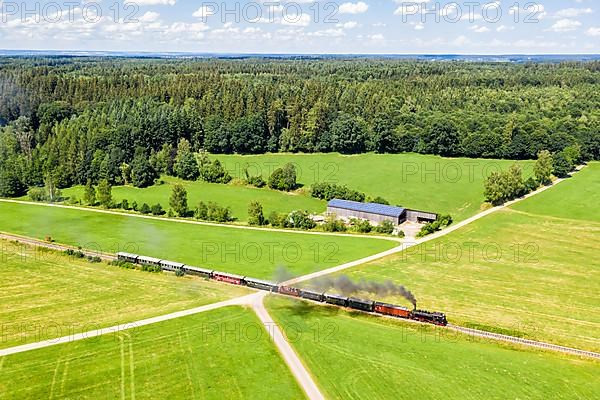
[46,295]
[256,253]
[528,275]
[235,196]
[357,356]
[431,183]
[220,354]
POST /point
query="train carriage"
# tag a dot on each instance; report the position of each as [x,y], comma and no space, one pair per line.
[260,284]
[190,270]
[289,291]
[336,300]
[171,266]
[228,278]
[309,294]
[360,304]
[391,309]
[149,261]
[127,257]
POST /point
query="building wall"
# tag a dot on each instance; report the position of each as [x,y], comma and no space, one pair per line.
[374,218]
[419,216]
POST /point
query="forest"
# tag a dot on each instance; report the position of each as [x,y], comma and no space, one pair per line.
[77,120]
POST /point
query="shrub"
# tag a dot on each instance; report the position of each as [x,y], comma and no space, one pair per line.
[380,200]
[201,211]
[213,172]
[328,191]
[256,181]
[178,200]
[125,204]
[276,219]
[104,193]
[255,214]
[145,209]
[401,234]
[386,227]
[157,210]
[37,194]
[332,224]
[300,220]
[218,213]
[284,178]
[361,225]
[179,273]
[134,206]
[431,227]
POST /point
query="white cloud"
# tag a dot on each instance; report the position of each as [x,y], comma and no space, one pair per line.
[572,12]
[155,2]
[150,16]
[203,12]
[376,37]
[565,25]
[479,29]
[353,8]
[348,25]
[296,20]
[419,27]
[328,33]
[504,28]
[593,31]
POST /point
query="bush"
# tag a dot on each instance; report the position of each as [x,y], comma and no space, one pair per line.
[299,220]
[218,213]
[157,210]
[361,225]
[179,273]
[125,204]
[213,172]
[178,200]
[277,220]
[332,224]
[328,191]
[201,211]
[380,200]
[37,194]
[401,234]
[145,209]
[134,206]
[386,227]
[256,181]
[284,178]
[255,214]
[431,227]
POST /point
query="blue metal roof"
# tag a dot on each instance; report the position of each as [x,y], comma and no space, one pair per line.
[373,208]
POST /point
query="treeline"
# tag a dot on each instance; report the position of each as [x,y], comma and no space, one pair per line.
[73,120]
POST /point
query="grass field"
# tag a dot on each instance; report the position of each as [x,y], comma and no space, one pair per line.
[46,295]
[431,183]
[530,275]
[247,252]
[357,356]
[214,355]
[236,197]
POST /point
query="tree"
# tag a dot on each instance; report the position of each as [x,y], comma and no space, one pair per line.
[283,178]
[10,184]
[178,200]
[186,166]
[385,227]
[125,173]
[104,193]
[543,167]
[142,173]
[157,209]
[213,172]
[51,189]
[255,214]
[348,134]
[89,193]
[201,211]
[145,209]
[442,138]
[300,220]
[561,165]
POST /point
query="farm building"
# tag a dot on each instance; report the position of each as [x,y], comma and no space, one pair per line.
[377,213]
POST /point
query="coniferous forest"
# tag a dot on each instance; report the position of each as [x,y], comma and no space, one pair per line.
[78,120]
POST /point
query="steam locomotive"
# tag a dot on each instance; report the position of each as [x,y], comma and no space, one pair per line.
[435,318]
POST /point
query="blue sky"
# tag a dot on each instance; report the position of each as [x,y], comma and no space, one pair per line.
[305,26]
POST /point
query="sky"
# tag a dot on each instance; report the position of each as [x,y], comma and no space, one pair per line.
[304,26]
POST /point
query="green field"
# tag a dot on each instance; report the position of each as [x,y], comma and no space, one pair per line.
[215,355]
[357,356]
[46,295]
[528,275]
[235,196]
[257,253]
[422,182]
[577,199]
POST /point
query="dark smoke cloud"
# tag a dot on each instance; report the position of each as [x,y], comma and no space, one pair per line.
[346,286]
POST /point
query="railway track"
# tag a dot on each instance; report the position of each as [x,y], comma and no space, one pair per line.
[525,342]
[54,246]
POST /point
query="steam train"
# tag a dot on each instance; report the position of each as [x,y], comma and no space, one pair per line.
[435,318]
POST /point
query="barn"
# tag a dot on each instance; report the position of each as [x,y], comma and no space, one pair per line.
[377,213]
